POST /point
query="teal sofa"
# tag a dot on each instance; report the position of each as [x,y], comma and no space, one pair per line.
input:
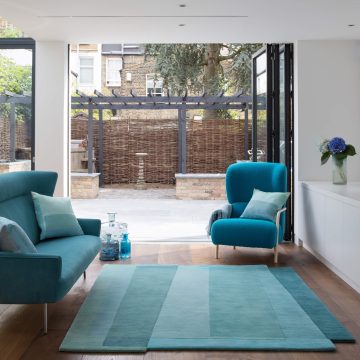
[48,275]
[241,180]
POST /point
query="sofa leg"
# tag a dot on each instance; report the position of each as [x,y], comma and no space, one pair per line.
[234,247]
[45,319]
[276,254]
[84,274]
[217,251]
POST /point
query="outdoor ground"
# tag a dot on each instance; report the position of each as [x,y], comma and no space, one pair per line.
[153,214]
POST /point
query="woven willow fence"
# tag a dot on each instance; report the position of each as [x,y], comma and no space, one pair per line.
[212,145]
[23,139]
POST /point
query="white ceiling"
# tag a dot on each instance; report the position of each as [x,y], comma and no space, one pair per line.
[145,21]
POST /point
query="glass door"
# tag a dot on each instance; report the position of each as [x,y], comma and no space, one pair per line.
[17,64]
[273,112]
[260,144]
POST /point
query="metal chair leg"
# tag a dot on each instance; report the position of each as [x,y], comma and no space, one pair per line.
[217,251]
[45,319]
[84,274]
[276,253]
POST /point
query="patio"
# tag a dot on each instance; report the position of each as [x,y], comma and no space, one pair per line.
[153,214]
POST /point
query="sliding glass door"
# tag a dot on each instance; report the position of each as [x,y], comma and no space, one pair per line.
[17,64]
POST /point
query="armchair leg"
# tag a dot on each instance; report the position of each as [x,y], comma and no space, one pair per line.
[84,274]
[217,251]
[276,254]
[45,319]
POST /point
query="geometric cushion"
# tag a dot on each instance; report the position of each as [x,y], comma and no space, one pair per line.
[13,238]
[265,205]
[55,217]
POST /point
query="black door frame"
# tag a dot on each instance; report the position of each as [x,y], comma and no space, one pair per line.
[26,43]
[273,52]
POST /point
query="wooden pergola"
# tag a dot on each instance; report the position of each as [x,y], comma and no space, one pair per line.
[14,99]
[99,102]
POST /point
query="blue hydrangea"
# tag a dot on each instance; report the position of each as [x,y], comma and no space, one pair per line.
[337,145]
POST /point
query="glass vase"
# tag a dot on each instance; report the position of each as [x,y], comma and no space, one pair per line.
[339,172]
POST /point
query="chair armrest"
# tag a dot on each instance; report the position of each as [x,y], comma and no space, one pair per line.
[90,226]
[29,278]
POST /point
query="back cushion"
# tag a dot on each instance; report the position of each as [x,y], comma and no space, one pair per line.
[21,210]
[16,203]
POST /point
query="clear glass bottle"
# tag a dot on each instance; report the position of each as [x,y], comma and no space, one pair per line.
[125,247]
[110,236]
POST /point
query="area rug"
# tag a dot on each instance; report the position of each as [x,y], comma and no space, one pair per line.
[169,307]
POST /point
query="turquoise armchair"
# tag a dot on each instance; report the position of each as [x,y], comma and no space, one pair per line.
[241,180]
[48,275]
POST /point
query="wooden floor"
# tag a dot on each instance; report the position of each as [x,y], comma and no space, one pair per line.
[21,325]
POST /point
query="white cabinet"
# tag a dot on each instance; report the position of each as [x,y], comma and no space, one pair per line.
[329,226]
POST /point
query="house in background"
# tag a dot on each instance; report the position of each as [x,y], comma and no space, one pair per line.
[117,67]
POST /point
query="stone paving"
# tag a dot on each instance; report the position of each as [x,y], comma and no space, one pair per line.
[153,214]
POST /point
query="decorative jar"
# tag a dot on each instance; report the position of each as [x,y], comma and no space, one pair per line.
[111,236]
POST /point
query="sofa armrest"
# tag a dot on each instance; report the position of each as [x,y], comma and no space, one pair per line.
[90,226]
[29,278]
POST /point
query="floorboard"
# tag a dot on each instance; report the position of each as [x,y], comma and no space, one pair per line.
[21,325]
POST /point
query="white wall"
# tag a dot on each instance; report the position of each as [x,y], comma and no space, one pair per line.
[327,90]
[52,111]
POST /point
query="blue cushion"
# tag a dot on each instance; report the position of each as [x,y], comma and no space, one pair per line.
[13,238]
[244,232]
[265,205]
[76,253]
[55,217]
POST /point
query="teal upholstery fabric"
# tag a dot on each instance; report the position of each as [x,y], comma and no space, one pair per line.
[15,198]
[13,238]
[29,278]
[265,205]
[244,232]
[90,226]
[241,180]
[76,253]
[46,276]
[55,217]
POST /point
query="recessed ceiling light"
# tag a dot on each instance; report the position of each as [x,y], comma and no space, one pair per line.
[351,25]
[181,24]
[182,5]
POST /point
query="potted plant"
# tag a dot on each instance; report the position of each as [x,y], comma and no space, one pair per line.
[339,151]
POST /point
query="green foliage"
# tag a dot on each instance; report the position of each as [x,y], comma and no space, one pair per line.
[339,157]
[14,77]
[204,67]
[10,32]
[17,79]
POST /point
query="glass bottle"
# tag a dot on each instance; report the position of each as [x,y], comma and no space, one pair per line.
[125,247]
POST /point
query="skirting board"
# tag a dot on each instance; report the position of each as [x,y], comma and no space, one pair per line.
[328,264]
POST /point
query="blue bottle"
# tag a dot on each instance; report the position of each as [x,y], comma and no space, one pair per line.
[125,247]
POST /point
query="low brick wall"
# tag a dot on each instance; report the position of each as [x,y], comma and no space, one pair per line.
[84,186]
[6,167]
[200,186]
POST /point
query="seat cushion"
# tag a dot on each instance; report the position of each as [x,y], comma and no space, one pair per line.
[76,252]
[244,232]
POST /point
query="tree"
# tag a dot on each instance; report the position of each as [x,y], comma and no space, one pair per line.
[198,68]
[17,79]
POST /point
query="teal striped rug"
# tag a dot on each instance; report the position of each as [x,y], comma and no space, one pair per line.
[169,307]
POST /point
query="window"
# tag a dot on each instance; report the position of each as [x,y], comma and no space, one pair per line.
[113,67]
[154,85]
[86,73]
